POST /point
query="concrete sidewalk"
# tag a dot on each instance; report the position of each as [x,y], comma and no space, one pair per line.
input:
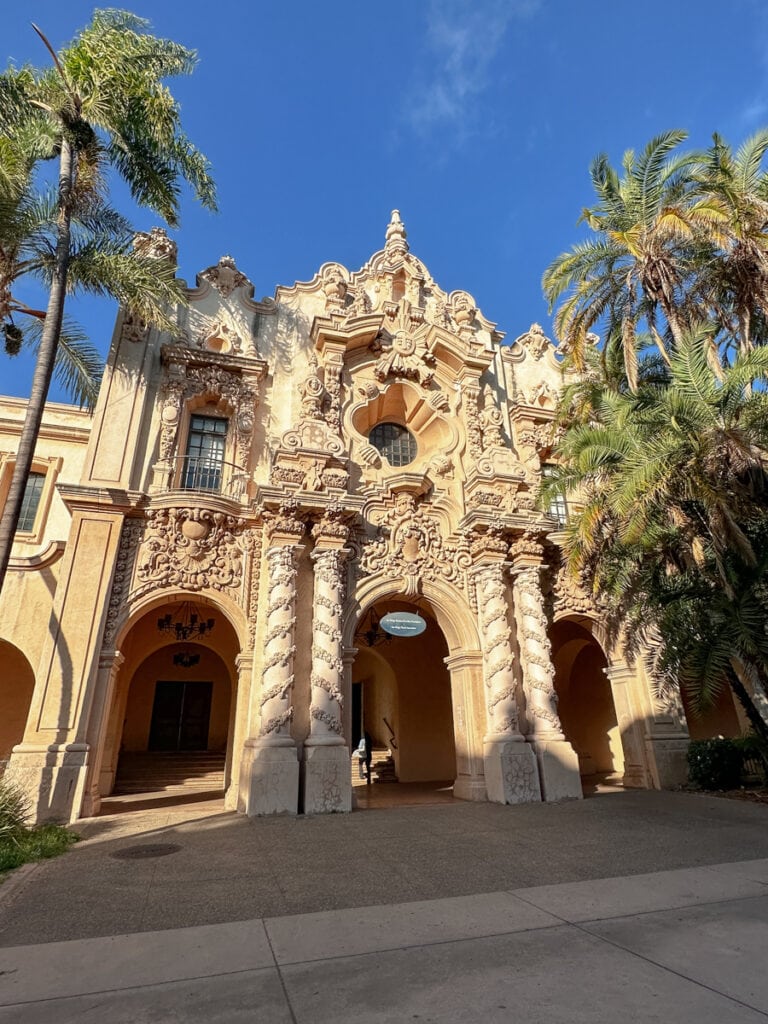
[682,946]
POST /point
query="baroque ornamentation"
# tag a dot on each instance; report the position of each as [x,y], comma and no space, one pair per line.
[327,665]
[134,329]
[534,341]
[192,549]
[285,521]
[124,565]
[275,708]
[536,653]
[571,594]
[332,526]
[404,350]
[410,546]
[156,244]
[334,284]
[253,545]
[332,374]
[225,276]
[498,659]
[491,421]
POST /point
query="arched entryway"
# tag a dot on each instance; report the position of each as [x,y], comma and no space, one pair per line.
[401,696]
[17,683]
[585,701]
[171,725]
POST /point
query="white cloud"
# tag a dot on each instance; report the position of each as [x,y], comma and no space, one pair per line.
[462,41]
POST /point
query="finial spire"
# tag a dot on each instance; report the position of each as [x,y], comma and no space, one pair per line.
[396,235]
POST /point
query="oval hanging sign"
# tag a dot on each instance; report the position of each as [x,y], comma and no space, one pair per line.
[403,624]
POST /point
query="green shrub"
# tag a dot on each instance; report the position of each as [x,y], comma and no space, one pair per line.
[14,811]
[715,764]
[20,843]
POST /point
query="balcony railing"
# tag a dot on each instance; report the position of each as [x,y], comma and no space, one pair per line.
[212,476]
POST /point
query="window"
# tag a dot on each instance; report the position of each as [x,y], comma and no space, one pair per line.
[558,506]
[31,502]
[204,460]
[396,444]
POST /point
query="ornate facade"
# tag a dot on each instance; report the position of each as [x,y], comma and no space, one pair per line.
[290,470]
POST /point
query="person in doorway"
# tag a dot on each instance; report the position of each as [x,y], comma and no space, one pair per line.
[366,754]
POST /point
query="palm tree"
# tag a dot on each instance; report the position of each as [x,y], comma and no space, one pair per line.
[673,480]
[649,225]
[734,284]
[102,104]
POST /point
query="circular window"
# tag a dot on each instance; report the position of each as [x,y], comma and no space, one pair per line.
[396,444]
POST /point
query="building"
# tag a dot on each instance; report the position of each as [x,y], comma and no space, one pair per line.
[206,562]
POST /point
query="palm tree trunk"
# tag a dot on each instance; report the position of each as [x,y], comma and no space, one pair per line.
[756,720]
[46,357]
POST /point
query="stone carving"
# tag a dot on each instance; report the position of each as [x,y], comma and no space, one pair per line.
[470,398]
[361,304]
[536,653]
[312,391]
[225,277]
[571,594]
[534,341]
[334,284]
[286,521]
[498,659]
[369,455]
[542,395]
[491,421]
[404,350]
[332,375]
[253,545]
[218,330]
[491,542]
[327,665]
[190,548]
[134,329]
[156,244]
[216,383]
[313,480]
[410,546]
[275,709]
[395,240]
[172,397]
[287,475]
[333,526]
[124,566]
[336,479]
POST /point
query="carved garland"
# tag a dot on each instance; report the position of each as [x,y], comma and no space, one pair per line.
[535,649]
[275,706]
[498,659]
[327,665]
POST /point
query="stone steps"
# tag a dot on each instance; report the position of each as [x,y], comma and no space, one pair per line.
[194,771]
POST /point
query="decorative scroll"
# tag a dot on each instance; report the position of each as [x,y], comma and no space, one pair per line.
[121,581]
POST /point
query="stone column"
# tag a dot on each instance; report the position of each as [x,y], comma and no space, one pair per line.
[511,775]
[270,766]
[467,697]
[103,753]
[558,761]
[326,763]
[238,726]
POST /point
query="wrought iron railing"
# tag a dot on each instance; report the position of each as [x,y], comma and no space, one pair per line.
[212,476]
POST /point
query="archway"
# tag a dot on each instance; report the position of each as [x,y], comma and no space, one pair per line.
[585,702]
[171,726]
[17,684]
[401,697]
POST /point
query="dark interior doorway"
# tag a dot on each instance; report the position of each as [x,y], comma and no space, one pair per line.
[181,716]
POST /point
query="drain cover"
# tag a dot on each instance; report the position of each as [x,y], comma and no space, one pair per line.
[145,851]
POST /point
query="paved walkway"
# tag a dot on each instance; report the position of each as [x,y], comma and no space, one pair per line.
[449,913]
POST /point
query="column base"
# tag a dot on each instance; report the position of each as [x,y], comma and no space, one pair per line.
[558,770]
[470,787]
[669,761]
[326,774]
[52,778]
[511,773]
[270,777]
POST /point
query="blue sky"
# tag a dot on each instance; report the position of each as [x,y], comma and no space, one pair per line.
[478,120]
